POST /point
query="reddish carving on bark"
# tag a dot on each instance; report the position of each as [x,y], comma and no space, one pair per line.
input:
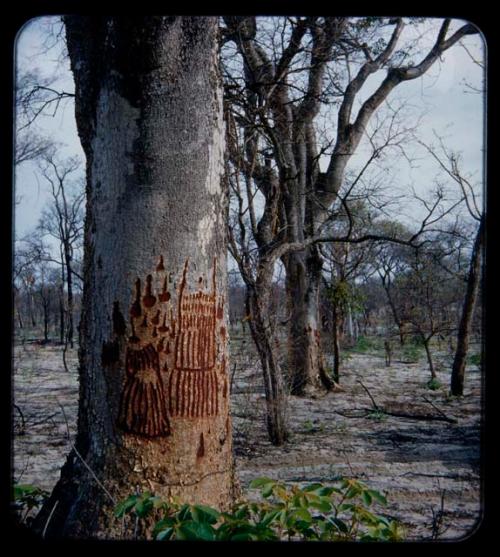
[186,356]
[148,299]
[142,409]
[160,266]
[135,310]
[164,295]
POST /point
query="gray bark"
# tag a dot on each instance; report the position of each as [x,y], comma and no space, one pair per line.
[154,403]
[473,279]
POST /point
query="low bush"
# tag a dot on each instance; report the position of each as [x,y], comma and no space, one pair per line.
[27,499]
[286,512]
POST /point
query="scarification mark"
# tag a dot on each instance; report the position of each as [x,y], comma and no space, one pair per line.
[164,295]
[160,266]
[156,319]
[133,338]
[135,310]
[182,340]
[142,405]
[148,299]
[163,327]
[160,346]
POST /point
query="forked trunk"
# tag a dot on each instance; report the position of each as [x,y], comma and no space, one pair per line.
[154,393]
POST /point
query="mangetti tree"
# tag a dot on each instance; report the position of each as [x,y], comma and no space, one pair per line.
[289,74]
[154,396]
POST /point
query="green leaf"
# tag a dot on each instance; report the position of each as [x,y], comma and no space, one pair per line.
[165,534]
[322,505]
[202,513]
[260,482]
[303,514]
[313,487]
[269,517]
[377,496]
[367,498]
[163,524]
[195,531]
[268,490]
[125,506]
[352,492]
[244,537]
[340,525]
[184,513]
[144,507]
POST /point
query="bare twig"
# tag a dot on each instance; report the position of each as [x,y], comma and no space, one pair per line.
[375,405]
[101,485]
[23,422]
[50,517]
[448,419]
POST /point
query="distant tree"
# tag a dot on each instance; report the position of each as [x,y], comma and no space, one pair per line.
[63,221]
[283,78]
[450,163]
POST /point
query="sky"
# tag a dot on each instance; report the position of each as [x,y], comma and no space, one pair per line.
[450,109]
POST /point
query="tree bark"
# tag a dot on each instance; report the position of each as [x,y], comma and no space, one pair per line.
[154,396]
[69,285]
[336,343]
[464,329]
[429,358]
[257,304]
[305,354]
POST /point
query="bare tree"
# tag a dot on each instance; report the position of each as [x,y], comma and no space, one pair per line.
[281,150]
[450,164]
[63,220]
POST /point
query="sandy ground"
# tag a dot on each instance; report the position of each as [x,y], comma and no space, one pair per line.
[423,465]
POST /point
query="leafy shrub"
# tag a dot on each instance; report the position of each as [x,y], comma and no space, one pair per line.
[433,384]
[27,498]
[314,512]
[364,344]
[474,360]
[378,415]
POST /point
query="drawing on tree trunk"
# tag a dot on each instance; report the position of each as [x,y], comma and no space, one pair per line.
[143,409]
[183,349]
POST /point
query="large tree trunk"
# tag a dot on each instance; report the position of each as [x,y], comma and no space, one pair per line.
[458,370]
[305,354]
[154,396]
